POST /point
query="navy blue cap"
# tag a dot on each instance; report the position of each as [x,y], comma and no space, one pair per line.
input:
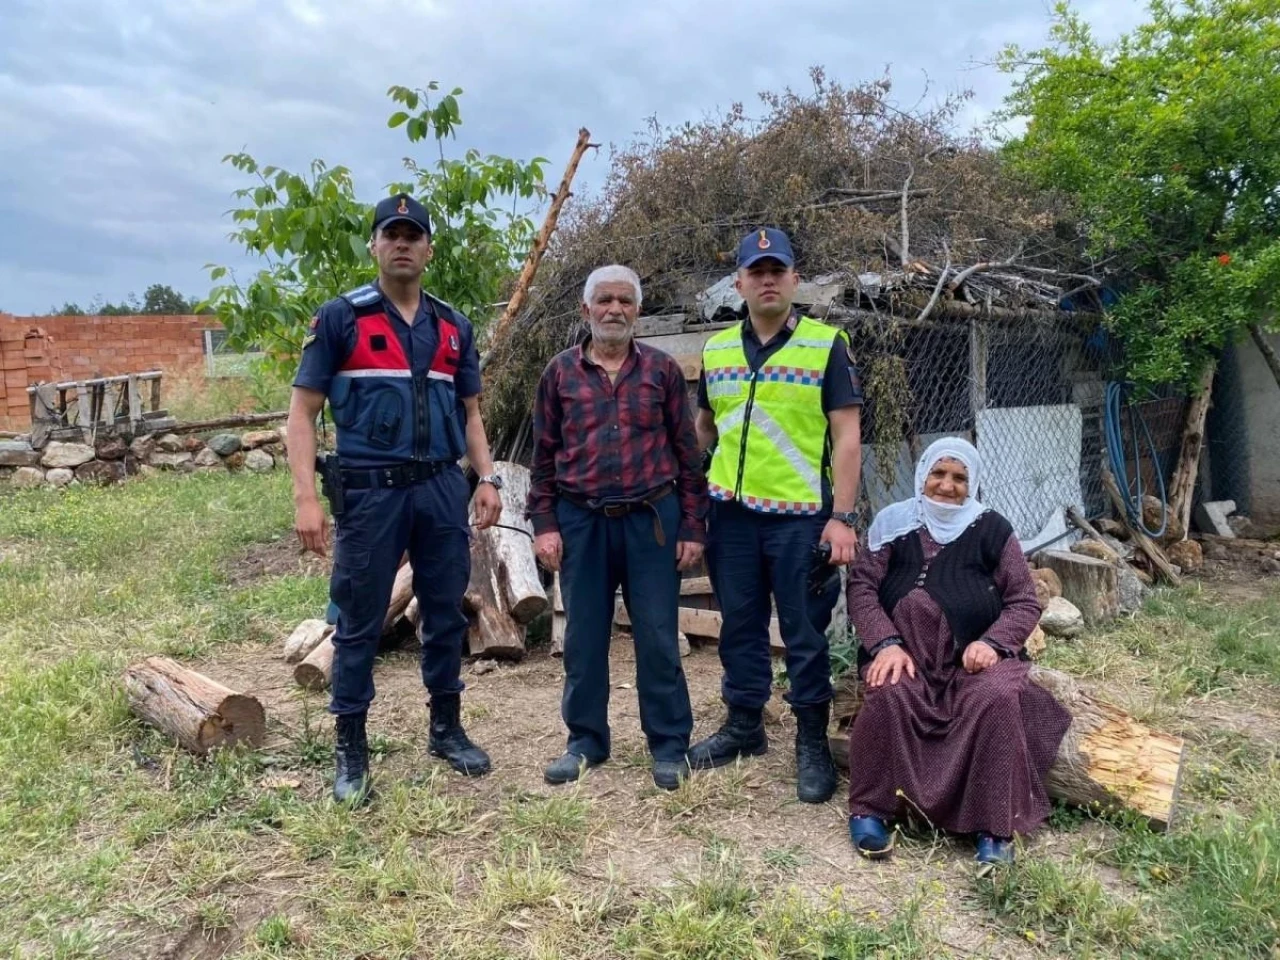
[401,207]
[769,242]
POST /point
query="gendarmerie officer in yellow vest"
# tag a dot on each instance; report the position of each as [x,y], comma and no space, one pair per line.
[781,402]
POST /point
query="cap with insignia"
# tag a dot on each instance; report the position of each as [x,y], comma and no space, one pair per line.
[401,207]
[768,242]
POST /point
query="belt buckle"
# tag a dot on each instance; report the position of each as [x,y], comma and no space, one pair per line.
[615,509]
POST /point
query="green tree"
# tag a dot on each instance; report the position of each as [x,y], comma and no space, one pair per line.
[312,231]
[160,298]
[1169,141]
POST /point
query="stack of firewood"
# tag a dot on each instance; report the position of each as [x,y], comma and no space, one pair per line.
[504,595]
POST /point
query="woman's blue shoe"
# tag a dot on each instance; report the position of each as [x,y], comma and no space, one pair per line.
[992,851]
[871,837]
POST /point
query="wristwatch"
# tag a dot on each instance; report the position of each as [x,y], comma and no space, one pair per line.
[848,519]
[492,479]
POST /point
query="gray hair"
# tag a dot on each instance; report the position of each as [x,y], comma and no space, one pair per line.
[614,273]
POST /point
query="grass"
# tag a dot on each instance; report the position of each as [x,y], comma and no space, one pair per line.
[114,843]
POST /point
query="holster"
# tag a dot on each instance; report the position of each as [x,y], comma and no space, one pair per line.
[330,470]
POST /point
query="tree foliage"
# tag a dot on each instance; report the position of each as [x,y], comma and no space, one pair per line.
[1169,142]
[160,299]
[312,231]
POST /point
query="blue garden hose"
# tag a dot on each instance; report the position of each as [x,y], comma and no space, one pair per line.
[1113,428]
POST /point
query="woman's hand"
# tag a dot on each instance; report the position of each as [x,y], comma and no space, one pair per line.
[978,656]
[889,665]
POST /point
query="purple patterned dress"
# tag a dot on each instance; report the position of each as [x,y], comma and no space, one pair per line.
[969,752]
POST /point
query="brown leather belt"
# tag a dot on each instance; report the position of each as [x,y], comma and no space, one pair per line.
[621,506]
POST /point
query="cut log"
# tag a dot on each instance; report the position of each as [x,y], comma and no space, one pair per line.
[315,671]
[695,587]
[1107,759]
[558,620]
[201,714]
[517,565]
[1088,529]
[1091,585]
[704,624]
[306,637]
[412,614]
[1145,544]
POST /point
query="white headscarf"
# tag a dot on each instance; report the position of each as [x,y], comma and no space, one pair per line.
[944,521]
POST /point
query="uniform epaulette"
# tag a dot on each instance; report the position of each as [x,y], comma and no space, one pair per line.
[362,296]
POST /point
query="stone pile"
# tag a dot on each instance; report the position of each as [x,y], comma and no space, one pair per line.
[113,459]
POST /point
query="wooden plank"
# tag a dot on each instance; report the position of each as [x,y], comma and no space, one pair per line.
[661,324]
[695,586]
[135,401]
[559,622]
[694,622]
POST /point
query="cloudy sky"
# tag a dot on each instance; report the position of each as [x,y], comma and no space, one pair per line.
[115,114]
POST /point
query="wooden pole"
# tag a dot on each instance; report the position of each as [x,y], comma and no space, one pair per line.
[1188,468]
[540,243]
[1145,543]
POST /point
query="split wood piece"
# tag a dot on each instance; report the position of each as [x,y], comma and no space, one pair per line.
[540,243]
[1145,543]
[1091,585]
[201,714]
[315,672]
[521,582]
[401,594]
[1188,469]
[493,631]
[1089,530]
[704,624]
[412,613]
[306,637]
[1107,759]
[559,622]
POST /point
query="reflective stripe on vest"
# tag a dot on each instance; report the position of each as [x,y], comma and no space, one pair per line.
[772,431]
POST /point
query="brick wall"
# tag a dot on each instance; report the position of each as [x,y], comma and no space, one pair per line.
[37,349]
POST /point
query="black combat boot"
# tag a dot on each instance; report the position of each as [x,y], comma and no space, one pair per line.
[815,773]
[351,784]
[742,735]
[449,741]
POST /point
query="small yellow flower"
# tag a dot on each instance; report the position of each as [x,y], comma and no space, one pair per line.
[1030,935]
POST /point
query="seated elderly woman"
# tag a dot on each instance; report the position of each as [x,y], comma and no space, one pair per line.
[951,727]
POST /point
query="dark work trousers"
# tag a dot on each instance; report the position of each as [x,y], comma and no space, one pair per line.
[751,555]
[600,554]
[378,525]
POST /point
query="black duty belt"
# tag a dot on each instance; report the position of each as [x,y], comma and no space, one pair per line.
[401,475]
[621,506]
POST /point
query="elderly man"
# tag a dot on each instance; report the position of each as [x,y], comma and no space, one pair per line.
[780,401]
[618,499]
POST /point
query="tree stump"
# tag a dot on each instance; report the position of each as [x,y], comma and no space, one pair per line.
[315,672]
[306,637]
[1090,584]
[1107,759]
[200,713]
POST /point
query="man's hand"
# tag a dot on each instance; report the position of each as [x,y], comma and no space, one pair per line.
[844,542]
[889,665]
[688,554]
[549,549]
[312,526]
[978,656]
[487,506]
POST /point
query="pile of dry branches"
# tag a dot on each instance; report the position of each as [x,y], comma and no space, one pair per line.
[863,187]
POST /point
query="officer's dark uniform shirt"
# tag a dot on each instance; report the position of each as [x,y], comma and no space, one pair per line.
[841,383]
[395,389]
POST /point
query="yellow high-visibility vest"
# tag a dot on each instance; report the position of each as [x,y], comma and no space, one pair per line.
[772,431]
